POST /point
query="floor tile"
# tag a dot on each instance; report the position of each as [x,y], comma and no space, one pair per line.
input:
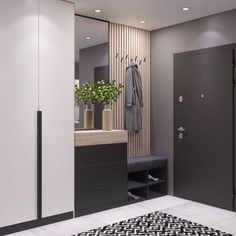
[122,213]
[69,227]
[23,233]
[162,203]
[228,226]
[200,213]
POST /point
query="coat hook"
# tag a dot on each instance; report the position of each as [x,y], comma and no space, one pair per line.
[117,54]
[131,60]
[126,57]
[136,58]
[145,59]
[122,58]
[140,62]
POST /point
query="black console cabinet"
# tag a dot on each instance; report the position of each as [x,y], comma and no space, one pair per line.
[100,177]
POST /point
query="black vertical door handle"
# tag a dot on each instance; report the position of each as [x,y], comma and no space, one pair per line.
[39,164]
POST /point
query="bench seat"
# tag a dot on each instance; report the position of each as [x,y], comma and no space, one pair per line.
[146,163]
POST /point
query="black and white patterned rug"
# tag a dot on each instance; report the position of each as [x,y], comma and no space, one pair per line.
[154,224]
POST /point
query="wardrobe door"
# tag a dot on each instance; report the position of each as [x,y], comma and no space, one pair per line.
[18,107]
[56,98]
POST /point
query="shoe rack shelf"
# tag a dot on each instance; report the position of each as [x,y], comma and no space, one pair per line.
[140,185]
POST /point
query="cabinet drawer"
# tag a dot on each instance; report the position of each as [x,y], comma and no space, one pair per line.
[98,154]
[103,207]
[98,174]
[101,194]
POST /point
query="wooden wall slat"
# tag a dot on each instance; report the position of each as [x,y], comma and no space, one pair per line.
[134,42]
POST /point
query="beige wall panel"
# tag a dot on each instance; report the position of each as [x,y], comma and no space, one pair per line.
[135,43]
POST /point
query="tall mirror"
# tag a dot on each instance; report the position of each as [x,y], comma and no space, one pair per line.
[91,62]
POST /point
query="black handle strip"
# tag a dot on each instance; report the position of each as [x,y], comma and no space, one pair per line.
[39,164]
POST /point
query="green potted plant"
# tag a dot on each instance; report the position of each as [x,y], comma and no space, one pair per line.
[106,93]
[86,94]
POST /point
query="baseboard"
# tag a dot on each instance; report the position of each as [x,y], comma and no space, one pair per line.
[35,223]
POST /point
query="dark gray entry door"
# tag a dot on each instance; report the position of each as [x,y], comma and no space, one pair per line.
[203,126]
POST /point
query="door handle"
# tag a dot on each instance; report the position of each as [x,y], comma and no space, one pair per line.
[181,129]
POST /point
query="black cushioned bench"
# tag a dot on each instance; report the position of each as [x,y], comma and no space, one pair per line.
[146,163]
[139,183]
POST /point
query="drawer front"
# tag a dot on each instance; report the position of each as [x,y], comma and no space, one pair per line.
[99,174]
[91,155]
[104,207]
[90,197]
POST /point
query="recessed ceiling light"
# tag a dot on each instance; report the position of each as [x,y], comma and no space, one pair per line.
[142,21]
[185,9]
[97,11]
[88,38]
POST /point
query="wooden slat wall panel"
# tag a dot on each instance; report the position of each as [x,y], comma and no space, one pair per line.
[125,40]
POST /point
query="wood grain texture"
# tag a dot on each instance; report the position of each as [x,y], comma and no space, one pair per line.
[135,43]
[99,137]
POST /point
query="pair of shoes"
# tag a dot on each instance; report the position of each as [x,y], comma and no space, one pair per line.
[153,178]
[132,196]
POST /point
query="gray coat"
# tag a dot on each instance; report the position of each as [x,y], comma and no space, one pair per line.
[133,99]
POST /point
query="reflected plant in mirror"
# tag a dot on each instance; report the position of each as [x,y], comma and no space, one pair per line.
[86,94]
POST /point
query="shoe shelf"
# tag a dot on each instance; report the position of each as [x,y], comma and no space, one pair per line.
[140,185]
[135,185]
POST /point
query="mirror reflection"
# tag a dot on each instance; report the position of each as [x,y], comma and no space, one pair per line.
[91,63]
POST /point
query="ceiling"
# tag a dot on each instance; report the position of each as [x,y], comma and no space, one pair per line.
[97,31]
[156,13]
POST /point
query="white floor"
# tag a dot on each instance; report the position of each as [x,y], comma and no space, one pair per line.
[199,213]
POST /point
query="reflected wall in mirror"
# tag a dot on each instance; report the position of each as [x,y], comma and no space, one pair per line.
[91,62]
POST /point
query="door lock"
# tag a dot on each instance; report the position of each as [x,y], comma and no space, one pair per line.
[181,129]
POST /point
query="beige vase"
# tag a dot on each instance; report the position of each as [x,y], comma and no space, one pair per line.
[88,117]
[107,118]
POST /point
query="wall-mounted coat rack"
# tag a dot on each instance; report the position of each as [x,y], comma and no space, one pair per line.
[136,59]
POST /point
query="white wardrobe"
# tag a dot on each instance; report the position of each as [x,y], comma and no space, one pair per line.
[36,74]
